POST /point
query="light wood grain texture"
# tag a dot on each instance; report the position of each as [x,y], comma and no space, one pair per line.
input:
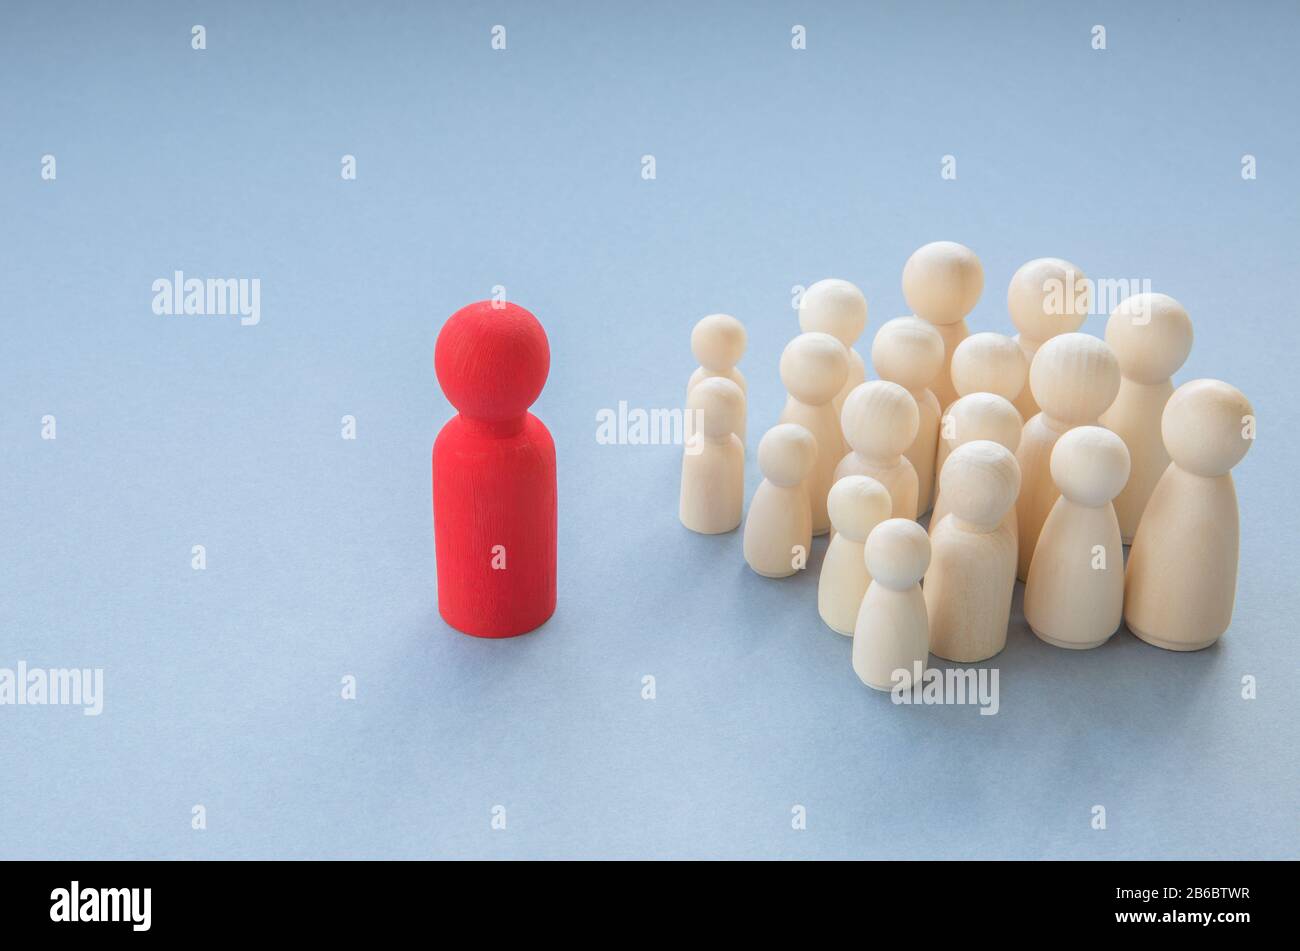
[813,368]
[892,630]
[857,505]
[780,514]
[1181,580]
[713,462]
[1074,378]
[942,281]
[1046,297]
[973,555]
[718,342]
[909,351]
[837,307]
[1074,597]
[1151,336]
[880,420]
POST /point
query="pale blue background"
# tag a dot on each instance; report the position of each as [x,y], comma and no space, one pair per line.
[522,168]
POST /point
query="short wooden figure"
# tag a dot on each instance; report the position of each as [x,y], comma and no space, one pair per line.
[942,282]
[494,494]
[1182,569]
[880,420]
[857,504]
[836,307]
[713,464]
[973,555]
[892,631]
[718,342]
[1151,336]
[1075,593]
[813,368]
[778,528]
[909,351]
[1074,378]
[1046,297]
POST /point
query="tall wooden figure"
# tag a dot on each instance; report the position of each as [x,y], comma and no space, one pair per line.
[1182,569]
[494,498]
[1151,336]
[1075,593]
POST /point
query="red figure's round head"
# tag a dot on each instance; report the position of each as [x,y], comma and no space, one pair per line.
[492,361]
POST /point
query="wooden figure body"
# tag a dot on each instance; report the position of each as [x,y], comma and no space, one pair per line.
[1181,580]
[836,307]
[942,282]
[1151,336]
[1074,597]
[494,493]
[909,351]
[1046,297]
[972,569]
[974,416]
[718,342]
[892,631]
[813,368]
[778,528]
[880,421]
[985,363]
[857,504]
[713,463]
[1074,378]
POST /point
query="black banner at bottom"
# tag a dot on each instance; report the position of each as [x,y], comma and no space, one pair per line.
[926,899]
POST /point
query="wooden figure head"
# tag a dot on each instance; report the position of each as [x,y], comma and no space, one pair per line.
[719,405]
[718,342]
[980,483]
[907,351]
[834,307]
[942,281]
[880,419]
[898,553]
[492,359]
[786,454]
[1208,426]
[1151,336]
[1074,378]
[858,503]
[1090,465]
[814,367]
[989,363]
[1048,296]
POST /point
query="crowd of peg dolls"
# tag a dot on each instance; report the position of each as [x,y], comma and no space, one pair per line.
[1037,458]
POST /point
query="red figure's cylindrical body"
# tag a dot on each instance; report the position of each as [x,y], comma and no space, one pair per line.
[494,492]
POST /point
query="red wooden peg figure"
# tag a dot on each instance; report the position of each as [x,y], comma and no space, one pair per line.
[494,512]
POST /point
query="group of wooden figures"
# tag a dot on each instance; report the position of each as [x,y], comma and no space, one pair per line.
[1038,458]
